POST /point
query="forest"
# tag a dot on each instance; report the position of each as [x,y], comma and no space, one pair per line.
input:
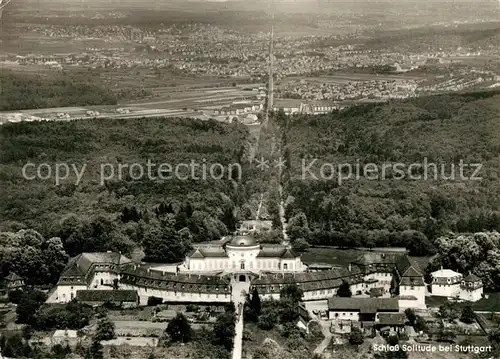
[23,92]
[121,213]
[413,213]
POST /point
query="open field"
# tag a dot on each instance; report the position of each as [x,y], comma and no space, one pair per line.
[342,257]
[133,341]
[344,78]
[490,304]
[486,305]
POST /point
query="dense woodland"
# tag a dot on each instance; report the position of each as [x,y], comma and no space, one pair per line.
[121,213]
[21,92]
[125,214]
[395,212]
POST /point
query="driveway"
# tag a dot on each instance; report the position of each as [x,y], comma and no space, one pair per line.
[239,302]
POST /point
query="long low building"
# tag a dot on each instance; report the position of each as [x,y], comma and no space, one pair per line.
[315,285]
[360,309]
[175,287]
[121,298]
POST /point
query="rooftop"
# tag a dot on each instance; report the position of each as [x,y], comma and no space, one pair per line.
[445,273]
[363,305]
[243,241]
[13,277]
[107,295]
[472,278]
[392,318]
[80,265]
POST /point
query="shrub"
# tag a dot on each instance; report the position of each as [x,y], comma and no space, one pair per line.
[192,308]
[152,301]
[356,337]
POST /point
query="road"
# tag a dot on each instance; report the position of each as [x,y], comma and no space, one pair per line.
[282,217]
[239,302]
[325,329]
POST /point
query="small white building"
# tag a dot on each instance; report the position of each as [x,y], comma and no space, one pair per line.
[471,288]
[445,283]
[451,284]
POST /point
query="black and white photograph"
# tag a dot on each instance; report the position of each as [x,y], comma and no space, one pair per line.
[250,179]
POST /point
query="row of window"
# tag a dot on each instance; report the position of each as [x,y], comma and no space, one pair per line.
[183,294]
[225,264]
[448,280]
[468,284]
[344,314]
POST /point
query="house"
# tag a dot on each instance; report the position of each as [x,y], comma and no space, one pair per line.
[13,282]
[120,298]
[377,269]
[471,288]
[175,287]
[408,282]
[445,283]
[391,322]
[319,107]
[448,283]
[360,309]
[288,106]
[319,285]
[243,257]
[96,270]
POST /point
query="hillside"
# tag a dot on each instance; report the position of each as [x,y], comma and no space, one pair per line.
[395,208]
[20,92]
[107,198]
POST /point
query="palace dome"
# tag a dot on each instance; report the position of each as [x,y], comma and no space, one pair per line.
[245,241]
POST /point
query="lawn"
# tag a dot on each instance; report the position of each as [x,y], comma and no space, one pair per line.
[490,304]
[434,301]
[342,257]
[335,256]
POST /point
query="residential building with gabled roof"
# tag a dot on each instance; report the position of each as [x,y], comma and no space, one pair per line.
[96,270]
[408,281]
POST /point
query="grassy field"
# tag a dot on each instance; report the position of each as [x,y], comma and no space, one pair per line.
[342,257]
[490,304]
[335,256]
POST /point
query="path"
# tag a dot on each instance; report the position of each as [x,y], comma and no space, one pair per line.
[239,301]
[325,329]
[282,217]
[260,206]
[253,141]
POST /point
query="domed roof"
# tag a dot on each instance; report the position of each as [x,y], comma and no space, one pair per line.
[243,241]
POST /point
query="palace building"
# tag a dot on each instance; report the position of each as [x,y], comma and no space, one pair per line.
[241,257]
[209,271]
